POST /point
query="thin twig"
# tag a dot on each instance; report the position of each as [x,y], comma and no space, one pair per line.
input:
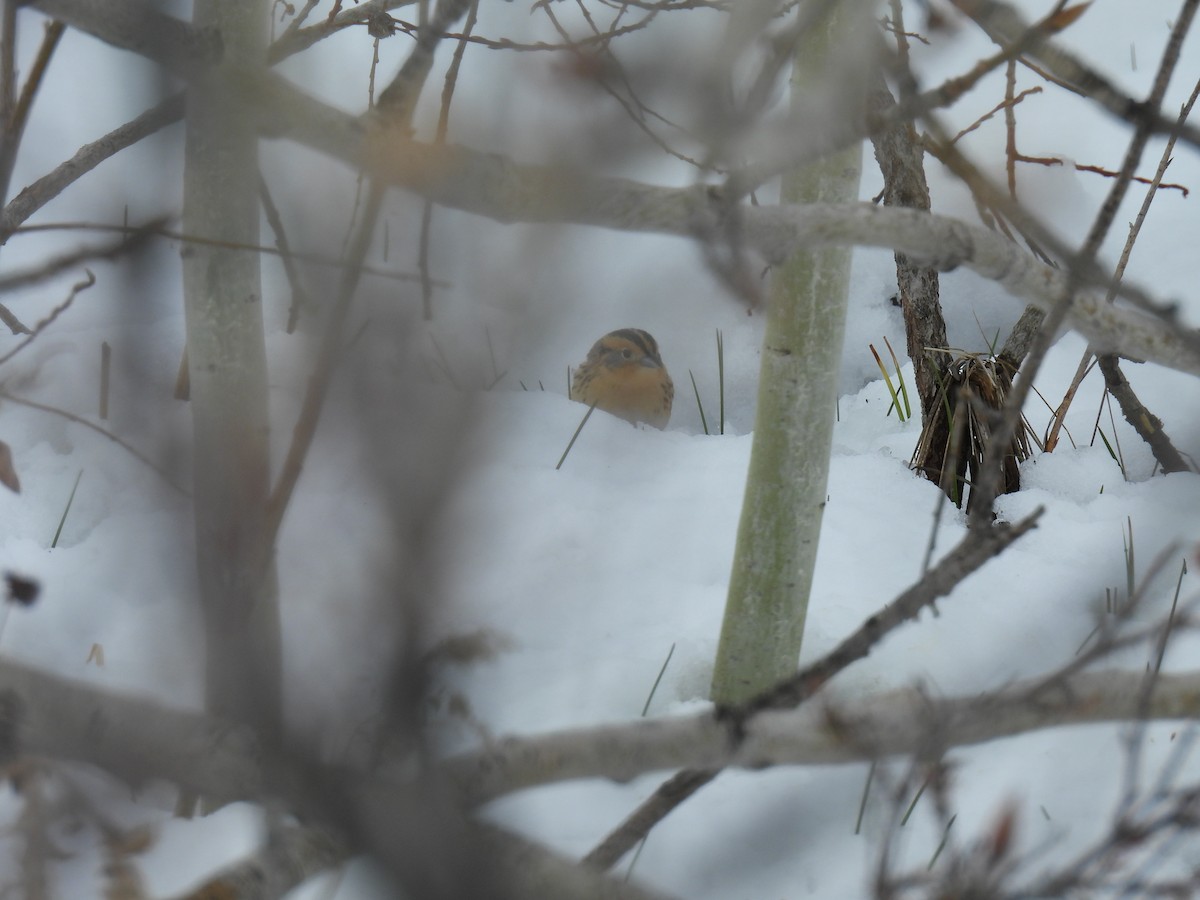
[1158,185]
[8,60]
[439,137]
[399,98]
[49,186]
[538,46]
[811,146]
[318,383]
[47,270]
[54,314]
[71,417]
[1010,127]
[1142,133]
[396,103]
[304,256]
[15,325]
[1004,25]
[14,123]
[299,19]
[597,68]
[1005,105]
[294,41]
[275,221]
[1147,425]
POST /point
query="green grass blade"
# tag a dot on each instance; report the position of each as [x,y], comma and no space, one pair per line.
[1090,634]
[1108,446]
[658,680]
[862,805]
[636,855]
[562,459]
[942,845]
[721,376]
[900,378]
[66,509]
[888,381]
[699,405]
[1116,438]
[908,812]
[1162,647]
[1130,563]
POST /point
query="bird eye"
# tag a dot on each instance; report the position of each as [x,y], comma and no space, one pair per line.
[627,353]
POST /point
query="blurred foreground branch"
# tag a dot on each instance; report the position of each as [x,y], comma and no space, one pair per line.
[493,186]
[137,739]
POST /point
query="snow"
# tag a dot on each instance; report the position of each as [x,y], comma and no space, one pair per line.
[587,577]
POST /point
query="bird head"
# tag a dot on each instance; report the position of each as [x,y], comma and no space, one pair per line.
[626,347]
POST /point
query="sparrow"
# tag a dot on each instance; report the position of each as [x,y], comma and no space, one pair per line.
[624,375]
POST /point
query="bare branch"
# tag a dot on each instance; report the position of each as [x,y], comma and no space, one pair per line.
[1003,24]
[15,325]
[1144,422]
[305,428]
[319,259]
[49,320]
[53,267]
[18,116]
[834,732]
[138,26]
[300,296]
[294,41]
[49,186]
[290,854]
[1148,426]
[399,98]
[443,125]
[142,739]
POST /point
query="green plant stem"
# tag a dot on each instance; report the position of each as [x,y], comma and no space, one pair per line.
[789,461]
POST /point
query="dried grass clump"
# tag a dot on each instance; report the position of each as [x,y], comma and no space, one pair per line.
[955,437]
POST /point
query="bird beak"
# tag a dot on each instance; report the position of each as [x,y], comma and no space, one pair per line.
[651,363]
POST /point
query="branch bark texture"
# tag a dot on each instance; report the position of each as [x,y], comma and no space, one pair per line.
[138,739]
[901,159]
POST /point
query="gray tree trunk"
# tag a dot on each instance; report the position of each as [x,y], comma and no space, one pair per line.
[228,374]
[793,431]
